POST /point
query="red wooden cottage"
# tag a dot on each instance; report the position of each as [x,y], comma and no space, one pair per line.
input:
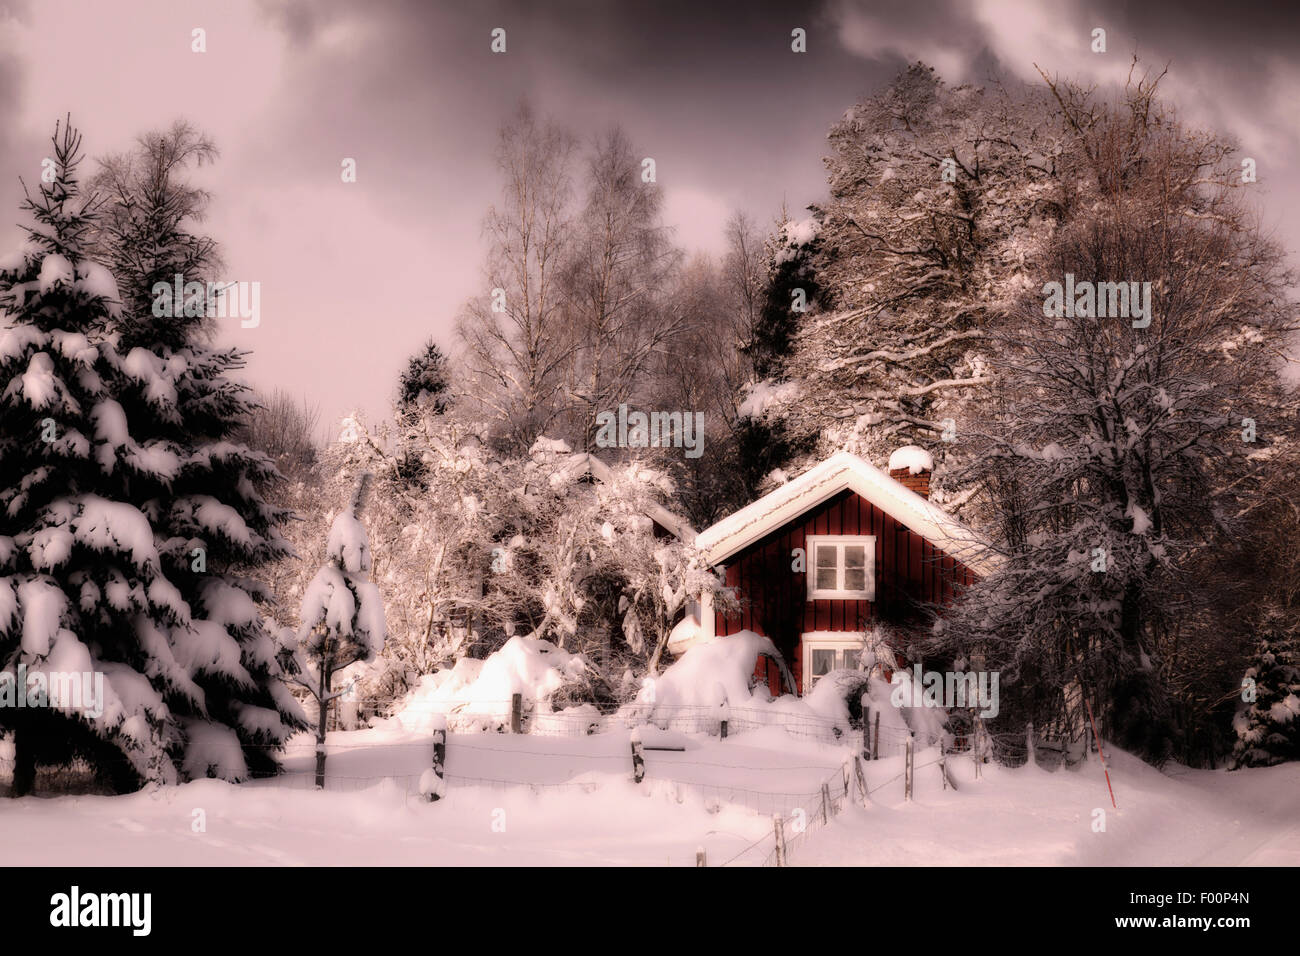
[840,550]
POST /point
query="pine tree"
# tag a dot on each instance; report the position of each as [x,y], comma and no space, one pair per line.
[1268,725]
[129,523]
[426,379]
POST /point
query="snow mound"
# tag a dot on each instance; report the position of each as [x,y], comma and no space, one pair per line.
[715,680]
[684,635]
[709,673]
[477,694]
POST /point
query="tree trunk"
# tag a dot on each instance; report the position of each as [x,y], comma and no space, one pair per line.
[24,763]
[322,698]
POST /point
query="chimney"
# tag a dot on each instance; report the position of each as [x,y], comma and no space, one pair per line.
[911,467]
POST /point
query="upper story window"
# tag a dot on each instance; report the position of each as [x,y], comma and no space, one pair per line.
[842,566]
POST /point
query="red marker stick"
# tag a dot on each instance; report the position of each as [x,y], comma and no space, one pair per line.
[1101,753]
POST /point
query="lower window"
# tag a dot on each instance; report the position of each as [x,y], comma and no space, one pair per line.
[821,655]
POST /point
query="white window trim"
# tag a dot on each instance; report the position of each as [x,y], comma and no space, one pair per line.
[852,641]
[868,541]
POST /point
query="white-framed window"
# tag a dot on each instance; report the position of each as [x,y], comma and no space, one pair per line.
[842,566]
[823,653]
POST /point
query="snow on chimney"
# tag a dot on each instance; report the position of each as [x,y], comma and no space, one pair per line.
[911,466]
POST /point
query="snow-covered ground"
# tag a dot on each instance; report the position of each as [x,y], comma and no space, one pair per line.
[1031,816]
[716,794]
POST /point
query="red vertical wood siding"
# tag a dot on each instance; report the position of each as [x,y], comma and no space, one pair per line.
[909,571]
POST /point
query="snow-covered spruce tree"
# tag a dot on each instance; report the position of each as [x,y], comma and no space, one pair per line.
[425,380]
[342,617]
[125,516]
[180,394]
[1268,723]
[1113,452]
[424,387]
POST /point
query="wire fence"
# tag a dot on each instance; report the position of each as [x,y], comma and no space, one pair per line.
[586,720]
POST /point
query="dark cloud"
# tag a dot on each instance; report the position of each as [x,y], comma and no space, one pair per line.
[410,89]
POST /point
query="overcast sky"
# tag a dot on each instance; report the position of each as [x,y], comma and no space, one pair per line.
[355,275]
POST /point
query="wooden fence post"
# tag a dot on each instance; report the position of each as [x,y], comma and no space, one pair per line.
[826,803]
[700,858]
[1031,757]
[638,759]
[516,713]
[943,770]
[875,749]
[725,711]
[862,781]
[907,768]
[778,828]
[866,730]
[975,745]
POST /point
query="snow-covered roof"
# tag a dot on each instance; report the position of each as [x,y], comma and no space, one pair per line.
[843,470]
[586,463]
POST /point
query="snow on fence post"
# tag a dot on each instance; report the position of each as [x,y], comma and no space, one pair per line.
[778,827]
[907,767]
[516,713]
[826,803]
[875,748]
[866,726]
[432,782]
[700,858]
[943,769]
[638,759]
[724,714]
